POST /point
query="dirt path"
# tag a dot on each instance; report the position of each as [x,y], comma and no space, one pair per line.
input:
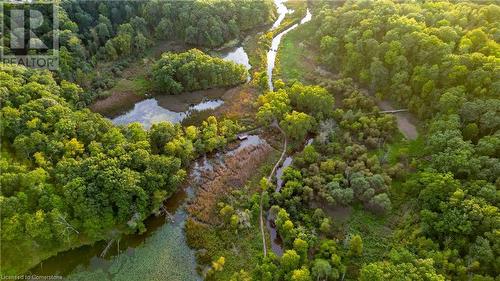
[261,216]
[405,120]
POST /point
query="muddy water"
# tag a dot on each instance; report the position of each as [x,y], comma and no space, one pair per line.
[271,54]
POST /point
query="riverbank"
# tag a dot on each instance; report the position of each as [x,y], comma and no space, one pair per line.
[131,84]
[157,253]
[258,46]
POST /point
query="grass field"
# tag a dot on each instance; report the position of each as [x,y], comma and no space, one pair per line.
[296,57]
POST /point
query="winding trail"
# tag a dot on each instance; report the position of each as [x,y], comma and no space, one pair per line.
[271,59]
[261,214]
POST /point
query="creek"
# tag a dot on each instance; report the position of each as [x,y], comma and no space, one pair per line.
[276,241]
[161,252]
[273,51]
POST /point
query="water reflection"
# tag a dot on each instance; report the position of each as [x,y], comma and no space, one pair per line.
[282,11]
[237,55]
[271,55]
[148,112]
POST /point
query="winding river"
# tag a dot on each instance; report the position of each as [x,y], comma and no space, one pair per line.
[161,252]
[275,239]
[272,53]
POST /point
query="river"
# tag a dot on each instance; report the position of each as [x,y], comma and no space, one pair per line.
[161,252]
[272,53]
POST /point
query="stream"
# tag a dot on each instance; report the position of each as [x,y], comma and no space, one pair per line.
[272,53]
[161,252]
[276,241]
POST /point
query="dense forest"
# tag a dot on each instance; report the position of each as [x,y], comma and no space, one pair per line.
[92,33]
[71,177]
[440,192]
[338,169]
[194,70]
[441,60]
[358,198]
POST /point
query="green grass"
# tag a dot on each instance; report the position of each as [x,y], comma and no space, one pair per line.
[256,47]
[138,85]
[241,249]
[374,231]
[376,235]
[295,57]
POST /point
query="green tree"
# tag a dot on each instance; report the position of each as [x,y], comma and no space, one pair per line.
[297,124]
[355,245]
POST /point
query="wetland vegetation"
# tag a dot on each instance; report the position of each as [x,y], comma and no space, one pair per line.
[255,140]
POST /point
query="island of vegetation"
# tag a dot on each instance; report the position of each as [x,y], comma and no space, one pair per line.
[193,70]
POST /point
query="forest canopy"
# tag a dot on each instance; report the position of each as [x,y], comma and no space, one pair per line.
[194,70]
[92,33]
[356,200]
[441,60]
[70,176]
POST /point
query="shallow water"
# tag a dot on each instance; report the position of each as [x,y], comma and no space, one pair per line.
[160,253]
[271,54]
[251,140]
[235,54]
[150,254]
[148,112]
[176,108]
